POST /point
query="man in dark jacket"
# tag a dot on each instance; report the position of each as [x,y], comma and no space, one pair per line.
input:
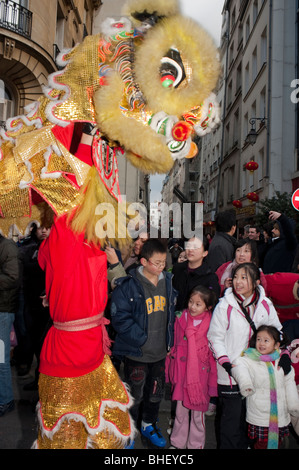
[9,298]
[222,246]
[37,317]
[195,271]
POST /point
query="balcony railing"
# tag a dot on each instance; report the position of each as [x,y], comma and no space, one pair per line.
[15,18]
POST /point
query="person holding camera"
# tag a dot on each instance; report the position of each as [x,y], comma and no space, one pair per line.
[281,251]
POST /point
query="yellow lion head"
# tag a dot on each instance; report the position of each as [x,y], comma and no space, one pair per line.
[145,82]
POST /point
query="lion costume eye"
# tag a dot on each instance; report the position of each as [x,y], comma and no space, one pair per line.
[172,69]
[181,49]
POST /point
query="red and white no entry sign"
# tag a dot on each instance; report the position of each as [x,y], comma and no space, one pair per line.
[295,199]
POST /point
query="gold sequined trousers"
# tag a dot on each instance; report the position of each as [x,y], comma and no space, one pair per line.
[90,411]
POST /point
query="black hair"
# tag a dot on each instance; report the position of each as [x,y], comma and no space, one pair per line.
[33,231]
[224,221]
[278,336]
[251,270]
[152,246]
[257,228]
[268,228]
[253,247]
[209,297]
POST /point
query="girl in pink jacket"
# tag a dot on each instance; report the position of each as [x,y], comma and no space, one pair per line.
[192,370]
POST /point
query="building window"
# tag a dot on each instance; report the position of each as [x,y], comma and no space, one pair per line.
[229,93]
[247,28]
[236,128]
[231,54]
[60,22]
[240,35]
[260,170]
[243,180]
[253,109]
[239,78]
[262,112]
[255,11]
[226,138]
[254,65]
[15,16]
[264,47]
[233,19]
[6,103]
[231,182]
[246,79]
[245,126]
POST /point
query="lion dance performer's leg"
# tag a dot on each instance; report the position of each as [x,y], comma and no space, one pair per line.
[67,420]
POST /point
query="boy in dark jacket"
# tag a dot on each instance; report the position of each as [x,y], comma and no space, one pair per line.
[142,314]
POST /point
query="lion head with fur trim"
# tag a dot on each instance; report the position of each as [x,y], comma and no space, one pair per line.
[145,83]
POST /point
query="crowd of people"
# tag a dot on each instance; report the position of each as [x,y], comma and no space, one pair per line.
[210,323]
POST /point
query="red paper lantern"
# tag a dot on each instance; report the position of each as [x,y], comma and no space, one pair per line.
[237,203]
[251,166]
[253,197]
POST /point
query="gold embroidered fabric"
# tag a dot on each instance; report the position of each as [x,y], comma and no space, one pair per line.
[87,411]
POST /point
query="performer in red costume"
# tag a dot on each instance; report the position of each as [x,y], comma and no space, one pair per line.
[83,402]
[283,290]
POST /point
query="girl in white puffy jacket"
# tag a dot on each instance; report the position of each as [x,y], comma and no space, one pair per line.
[238,314]
[271,395]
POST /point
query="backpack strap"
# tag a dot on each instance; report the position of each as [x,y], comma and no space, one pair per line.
[266,305]
[229,309]
[247,316]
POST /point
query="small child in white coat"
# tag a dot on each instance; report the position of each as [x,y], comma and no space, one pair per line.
[271,396]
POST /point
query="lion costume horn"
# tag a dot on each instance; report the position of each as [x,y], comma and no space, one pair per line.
[145,82]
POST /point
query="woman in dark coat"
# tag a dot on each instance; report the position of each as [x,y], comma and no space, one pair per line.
[193,272]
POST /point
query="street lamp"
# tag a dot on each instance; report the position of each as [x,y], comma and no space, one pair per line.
[252,136]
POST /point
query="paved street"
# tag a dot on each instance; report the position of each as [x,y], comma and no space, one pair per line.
[18,429]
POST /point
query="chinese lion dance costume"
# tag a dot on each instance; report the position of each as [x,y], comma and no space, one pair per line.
[144,85]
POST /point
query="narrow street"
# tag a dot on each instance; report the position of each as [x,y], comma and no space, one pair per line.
[18,429]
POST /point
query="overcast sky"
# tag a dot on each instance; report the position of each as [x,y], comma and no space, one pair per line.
[208,15]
